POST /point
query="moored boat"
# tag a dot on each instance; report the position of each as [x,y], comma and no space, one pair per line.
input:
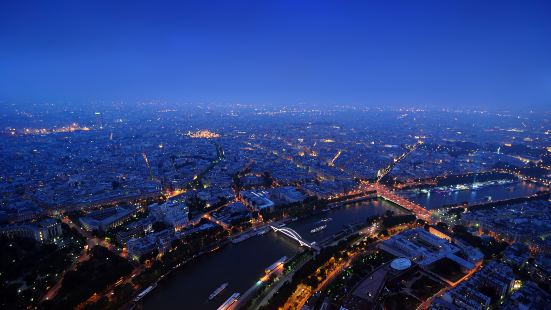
[218,290]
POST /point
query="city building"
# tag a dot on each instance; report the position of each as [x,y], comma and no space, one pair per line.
[107,218]
[516,255]
[365,294]
[160,241]
[286,195]
[541,268]
[135,229]
[528,297]
[18,211]
[45,230]
[488,285]
[258,200]
[173,212]
[423,248]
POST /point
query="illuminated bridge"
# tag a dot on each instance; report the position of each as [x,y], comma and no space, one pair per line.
[294,235]
[386,193]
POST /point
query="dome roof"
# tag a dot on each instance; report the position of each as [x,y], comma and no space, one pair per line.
[401,263]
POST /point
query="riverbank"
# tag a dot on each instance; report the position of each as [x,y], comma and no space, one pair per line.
[242,264]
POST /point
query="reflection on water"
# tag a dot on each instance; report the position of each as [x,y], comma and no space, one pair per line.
[350,214]
[242,264]
[436,198]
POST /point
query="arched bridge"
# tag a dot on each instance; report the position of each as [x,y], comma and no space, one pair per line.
[293,235]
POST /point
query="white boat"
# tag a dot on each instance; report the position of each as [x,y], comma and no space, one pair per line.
[144,292]
[230,301]
[217,291]
[318,229]
[273,266]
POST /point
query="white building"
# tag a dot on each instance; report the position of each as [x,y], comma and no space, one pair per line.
[174,213]
[257,200]
[160,241]
[43,231]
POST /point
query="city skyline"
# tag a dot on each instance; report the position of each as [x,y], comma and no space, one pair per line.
[263,155]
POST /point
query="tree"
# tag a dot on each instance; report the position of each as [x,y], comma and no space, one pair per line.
[91,276]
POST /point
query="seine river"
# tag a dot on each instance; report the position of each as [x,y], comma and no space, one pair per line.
[437,198]
[242,264]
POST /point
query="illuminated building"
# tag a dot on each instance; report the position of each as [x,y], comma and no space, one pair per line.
[205,134]
[105,219]
[43,231]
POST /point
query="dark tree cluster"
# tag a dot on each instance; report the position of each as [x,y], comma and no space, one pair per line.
[28,267]
[98,272]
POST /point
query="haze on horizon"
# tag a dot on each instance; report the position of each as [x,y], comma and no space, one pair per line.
[436,53]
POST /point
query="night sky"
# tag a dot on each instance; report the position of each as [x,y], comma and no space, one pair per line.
[436,53]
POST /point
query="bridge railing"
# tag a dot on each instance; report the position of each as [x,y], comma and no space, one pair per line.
[292,234]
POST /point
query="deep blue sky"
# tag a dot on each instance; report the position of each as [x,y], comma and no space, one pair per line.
[451,53]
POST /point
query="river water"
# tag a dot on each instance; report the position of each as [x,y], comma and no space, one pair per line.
[436,198]
[242,264]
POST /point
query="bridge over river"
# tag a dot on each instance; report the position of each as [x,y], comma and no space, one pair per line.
[389,195]
[287,231]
